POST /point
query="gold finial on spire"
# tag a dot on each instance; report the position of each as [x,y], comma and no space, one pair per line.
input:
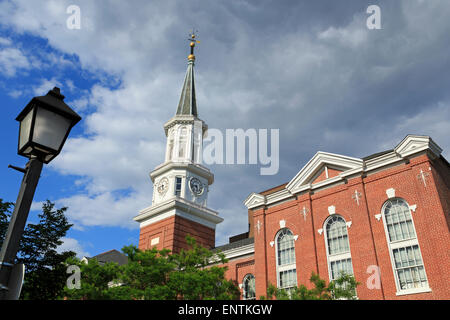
[193,41]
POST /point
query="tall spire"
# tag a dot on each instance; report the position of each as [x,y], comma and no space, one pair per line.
[188,102]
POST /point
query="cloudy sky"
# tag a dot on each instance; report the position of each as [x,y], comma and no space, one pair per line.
[311,69]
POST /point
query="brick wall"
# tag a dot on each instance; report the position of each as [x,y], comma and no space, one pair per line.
[239,268]
[359,202]
[367,236]
[172,233]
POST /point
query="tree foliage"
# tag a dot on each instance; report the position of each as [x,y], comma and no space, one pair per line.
[156,275]
[5,215]
[344,287]
[45,271]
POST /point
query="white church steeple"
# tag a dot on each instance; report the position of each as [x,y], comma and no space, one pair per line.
[181,183]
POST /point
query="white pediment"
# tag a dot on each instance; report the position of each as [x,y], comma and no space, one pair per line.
[254,200]
[414,143]
[306,176]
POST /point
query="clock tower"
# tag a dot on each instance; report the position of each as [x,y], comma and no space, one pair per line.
[181,183]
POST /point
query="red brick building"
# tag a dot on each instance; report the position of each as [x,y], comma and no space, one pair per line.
[384,218]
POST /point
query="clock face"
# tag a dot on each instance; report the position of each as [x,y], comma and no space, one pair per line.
[196,186]
[162,186]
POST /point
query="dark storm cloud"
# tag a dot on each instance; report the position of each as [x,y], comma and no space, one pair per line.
[327,82]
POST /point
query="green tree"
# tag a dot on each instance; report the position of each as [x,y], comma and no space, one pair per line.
[344,287]
[45,271]
[5,215]
[196,279]
[157,275]
[95,280]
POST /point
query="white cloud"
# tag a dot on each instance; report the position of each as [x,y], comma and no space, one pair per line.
[433,121]
[15,93]
[12,60]
[103,209]
[331,88]
[71,244]
[45,85]
[353,35]
[5,42]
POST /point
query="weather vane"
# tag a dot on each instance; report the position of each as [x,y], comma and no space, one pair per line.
[193,40]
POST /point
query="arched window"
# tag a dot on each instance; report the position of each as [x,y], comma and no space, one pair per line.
[182,146]
[404,248]
[338,248]
[248,285]
[286,265]
[196,153]
[170,144]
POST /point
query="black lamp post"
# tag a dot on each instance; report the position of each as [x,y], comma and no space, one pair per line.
[45,124]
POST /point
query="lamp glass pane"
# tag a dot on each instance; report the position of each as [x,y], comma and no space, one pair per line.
[50,128]
[25,126]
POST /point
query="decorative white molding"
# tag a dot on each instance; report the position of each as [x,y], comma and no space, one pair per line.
[413,207]
[254,200]
[331,210]
[272,243]
[381,161]
[296,237]
[304,212]
[390,193]
[190,166]
[413,144]
[348,224]
[154,241]
[282,224]
[356,196]
[303,178]
[423,177]
[279,196]
[181,207]
[258,226]
[239,252]
[413,291]
[303,181]
[378,216]
[320,231]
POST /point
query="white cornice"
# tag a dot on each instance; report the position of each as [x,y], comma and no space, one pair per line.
[254,200]
[178,206]
[183,119]
[410,145]
[320,159]
[189,166]
[382,161]
[280,194]
[413,143]
[239,251]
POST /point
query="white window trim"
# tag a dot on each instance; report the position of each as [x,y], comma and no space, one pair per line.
[413,291]
[286,267]
[243,286]
[181,195]
[401,244]
[339,256]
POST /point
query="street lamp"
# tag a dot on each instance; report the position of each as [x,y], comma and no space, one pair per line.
[45,123]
